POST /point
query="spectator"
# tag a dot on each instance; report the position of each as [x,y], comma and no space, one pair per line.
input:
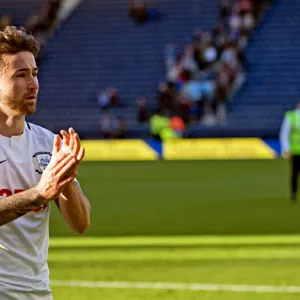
[177,125]
[247,24]
[174,73]
[108,98]
[118,127]
[188,60]
[51,11]
[45,20]
[33,24]
[245,6]
[158,122]
[48,15]
[183,108]
[224,10]
[192,88]
[258,7]
[167,97]
[223,82]
[219,38]
[229,57]
[138,11]
[235,21]
[112,127]
[209,55]
[142,110]
[105,125]
[168,134]
[5,21]
[170,56]
[114,97]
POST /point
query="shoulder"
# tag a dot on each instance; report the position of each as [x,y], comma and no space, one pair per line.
[40,132]
[289,113]
[289,116]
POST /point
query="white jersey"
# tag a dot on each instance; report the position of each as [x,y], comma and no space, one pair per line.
[24,242]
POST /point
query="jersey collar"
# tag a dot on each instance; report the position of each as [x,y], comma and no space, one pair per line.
[17,137]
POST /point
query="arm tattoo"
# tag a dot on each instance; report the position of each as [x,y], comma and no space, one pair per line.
[17,205]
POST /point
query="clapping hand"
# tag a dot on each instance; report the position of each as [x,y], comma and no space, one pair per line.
[62,168]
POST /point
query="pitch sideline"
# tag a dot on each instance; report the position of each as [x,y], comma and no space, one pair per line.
[176,286]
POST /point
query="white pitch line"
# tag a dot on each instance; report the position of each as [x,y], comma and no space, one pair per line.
[176,286]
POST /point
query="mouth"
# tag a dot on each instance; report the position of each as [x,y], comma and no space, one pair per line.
[30,99]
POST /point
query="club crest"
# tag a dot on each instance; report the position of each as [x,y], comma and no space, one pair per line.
[41,161]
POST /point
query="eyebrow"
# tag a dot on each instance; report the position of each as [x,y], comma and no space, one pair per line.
[26,69]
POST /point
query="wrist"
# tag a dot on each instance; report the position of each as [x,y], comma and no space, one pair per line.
[39,196]
[68,188]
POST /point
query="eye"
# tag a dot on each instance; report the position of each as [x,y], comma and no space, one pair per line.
[21,75]
[35,74]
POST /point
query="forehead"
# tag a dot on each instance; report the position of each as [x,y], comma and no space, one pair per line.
[19,60]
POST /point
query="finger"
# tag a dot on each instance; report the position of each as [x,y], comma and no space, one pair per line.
[71,131]
[72,170]
[76,146]
[67,180]
[64,165]
[66,137]
[81,153]
[56,145]
[56,160]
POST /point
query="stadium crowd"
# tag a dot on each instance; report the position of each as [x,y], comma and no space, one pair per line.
[201,79]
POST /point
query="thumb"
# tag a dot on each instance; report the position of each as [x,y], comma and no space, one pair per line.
[56,145]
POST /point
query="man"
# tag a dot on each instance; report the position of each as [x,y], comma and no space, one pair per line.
[34,170]
[290,145]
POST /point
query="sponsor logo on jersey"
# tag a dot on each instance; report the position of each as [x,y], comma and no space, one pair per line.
[41,161]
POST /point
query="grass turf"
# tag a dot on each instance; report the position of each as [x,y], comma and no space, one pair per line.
[180,198]
[173,206]
[69,293]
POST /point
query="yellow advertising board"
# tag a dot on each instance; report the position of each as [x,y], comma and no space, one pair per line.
[118,150]
[197,149]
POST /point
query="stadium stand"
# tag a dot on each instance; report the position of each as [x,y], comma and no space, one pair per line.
[99,46]
[18,11]
[273,79]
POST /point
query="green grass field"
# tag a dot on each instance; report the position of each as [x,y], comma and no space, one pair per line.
[209,222]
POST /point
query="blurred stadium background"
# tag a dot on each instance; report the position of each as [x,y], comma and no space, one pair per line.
[179,105]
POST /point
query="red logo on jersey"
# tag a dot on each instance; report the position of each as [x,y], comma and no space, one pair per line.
[6,193]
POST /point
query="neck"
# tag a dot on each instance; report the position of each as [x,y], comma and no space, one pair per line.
[11,125]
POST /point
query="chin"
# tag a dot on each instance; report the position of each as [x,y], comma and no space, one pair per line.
[30,109]
[30,112]
[27,111]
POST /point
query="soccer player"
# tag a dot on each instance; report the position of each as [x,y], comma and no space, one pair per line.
[36,167]
[290,145]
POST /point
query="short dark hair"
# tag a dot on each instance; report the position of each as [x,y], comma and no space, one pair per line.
[14,40]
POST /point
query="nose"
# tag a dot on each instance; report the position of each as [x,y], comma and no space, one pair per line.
[34,84]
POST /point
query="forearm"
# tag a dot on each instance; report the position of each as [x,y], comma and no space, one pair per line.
[284,135]
[17,205]
[75,208]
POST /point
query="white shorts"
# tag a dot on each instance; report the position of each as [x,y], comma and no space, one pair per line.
[16,295]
